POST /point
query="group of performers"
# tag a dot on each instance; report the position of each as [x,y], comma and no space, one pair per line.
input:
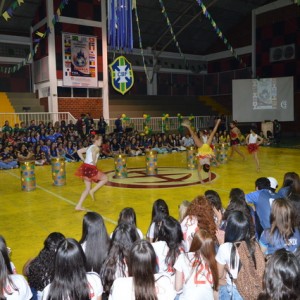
[89,173]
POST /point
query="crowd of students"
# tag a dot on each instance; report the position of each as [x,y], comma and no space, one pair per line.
[43,141]
[198,255]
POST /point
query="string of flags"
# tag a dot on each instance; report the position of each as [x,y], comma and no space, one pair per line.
[40,35]
[141,45]
[219,33]
[9,12]
[164,12]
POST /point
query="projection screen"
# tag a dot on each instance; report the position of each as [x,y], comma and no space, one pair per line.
[257,100]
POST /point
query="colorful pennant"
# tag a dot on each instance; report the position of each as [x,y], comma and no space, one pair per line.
[41,35]
[9,12]
[219,33]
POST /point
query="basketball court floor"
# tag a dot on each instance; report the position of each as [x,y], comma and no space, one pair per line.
[26,218]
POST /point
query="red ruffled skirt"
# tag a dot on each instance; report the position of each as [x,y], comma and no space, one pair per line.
[89,172]
[252,148]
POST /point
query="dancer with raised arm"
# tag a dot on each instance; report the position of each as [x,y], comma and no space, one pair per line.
[205,152]
[88,170]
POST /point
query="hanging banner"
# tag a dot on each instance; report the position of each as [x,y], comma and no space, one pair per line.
[121,75]
[79,60]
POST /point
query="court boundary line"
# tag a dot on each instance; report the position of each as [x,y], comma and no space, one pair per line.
[63,198]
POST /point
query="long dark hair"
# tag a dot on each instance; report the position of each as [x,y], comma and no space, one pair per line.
[41,270]
[70,281]
[127,215]
[238,230]
[170,232]
[5,254]
[141,266]
[204,246]
[96,239]
[122,239]
[238,202]
[282,277]
[5,279]
[292,181]
[160,210]
[214,198]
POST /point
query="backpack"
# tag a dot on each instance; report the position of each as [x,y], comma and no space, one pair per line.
[249,281]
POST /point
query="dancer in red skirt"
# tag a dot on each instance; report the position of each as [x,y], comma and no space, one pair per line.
[235,133]
[88,170]
[253,141]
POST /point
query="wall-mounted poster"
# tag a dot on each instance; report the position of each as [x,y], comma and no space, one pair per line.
[79,60]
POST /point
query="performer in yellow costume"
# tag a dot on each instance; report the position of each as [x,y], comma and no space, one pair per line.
[205,152]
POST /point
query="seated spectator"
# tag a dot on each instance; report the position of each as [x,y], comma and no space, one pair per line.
[40,156]
[282,277]
[7,160]
[6,251]
[237,202]
[40,270]
[94,241]
[105,149]
[262,199]
[70,280]
[13,286]
[168,245]
[142,279]
[23,154]
[115,265]
[71,152]
[115,147]
[199,215]
[182,209]
[237,230]
[160,210]
[128,216]
[187,141]
[283,233]
[291,184]
[159,146]
[196,271]
[134,148]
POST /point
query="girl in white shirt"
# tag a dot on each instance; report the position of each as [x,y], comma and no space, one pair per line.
[71,281]
[12,286]
[253,140]
[142,283]
[196,274]
[88,170]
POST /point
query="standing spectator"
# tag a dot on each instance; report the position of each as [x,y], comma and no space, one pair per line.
[119,125]
[277,131]
[102,126]
[7,127]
